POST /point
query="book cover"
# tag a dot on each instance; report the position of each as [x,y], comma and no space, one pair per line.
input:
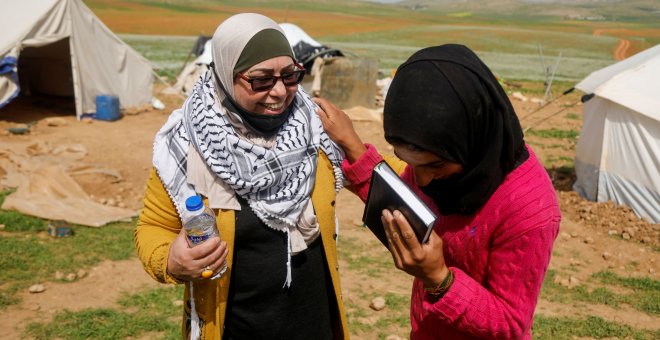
[388,191]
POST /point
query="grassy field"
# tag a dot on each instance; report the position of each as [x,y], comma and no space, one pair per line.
[520,45]
[168,53]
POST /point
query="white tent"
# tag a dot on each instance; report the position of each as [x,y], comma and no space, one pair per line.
[305,48]
[60,47]
[618,153]
[296,35]
[195,69]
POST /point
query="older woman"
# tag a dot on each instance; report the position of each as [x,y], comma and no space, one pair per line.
[480,274]
[249,141]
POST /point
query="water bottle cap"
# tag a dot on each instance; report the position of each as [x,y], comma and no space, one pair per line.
[194,203]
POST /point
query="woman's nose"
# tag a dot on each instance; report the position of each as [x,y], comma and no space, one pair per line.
[423,177]
[279,89]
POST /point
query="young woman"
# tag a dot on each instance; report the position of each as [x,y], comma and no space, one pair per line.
[249,141]
[480,274]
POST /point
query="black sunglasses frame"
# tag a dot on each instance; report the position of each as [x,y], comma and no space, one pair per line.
[300,71]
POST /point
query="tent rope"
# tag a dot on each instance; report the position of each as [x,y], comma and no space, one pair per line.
[546,104]
[549,116]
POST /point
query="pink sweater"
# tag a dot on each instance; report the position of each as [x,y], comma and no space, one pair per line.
[499,256]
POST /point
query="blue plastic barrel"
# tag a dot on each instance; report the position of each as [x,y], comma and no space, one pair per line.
[107,107]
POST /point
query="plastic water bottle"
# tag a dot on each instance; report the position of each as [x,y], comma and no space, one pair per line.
[200,225]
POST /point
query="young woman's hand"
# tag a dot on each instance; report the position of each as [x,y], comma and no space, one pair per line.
[339,127]
[424,261]
[186,264]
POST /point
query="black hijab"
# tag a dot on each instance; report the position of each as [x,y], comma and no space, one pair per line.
[445,100]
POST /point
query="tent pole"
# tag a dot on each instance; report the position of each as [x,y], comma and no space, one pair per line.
[75,72]
[548,93]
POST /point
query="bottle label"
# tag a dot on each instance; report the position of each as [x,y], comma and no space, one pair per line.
[196,239]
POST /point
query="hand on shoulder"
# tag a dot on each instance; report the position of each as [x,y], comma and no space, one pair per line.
[339,127]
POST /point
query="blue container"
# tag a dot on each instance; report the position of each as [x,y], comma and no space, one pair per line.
[107,107]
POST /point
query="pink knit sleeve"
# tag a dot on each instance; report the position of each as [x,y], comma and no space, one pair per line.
[359,172]
[506,309]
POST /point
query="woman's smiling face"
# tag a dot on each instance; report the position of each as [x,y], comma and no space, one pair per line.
[273,101]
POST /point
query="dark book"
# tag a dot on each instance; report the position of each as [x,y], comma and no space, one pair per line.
[388,191]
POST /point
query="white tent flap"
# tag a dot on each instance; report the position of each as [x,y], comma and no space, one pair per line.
[617,157]
[632,82]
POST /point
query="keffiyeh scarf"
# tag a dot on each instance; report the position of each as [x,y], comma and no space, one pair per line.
[276,182]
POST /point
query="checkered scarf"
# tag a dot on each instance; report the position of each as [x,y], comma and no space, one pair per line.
[276,182]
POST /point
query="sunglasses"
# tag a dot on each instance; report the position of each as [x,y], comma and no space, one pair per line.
[265,83]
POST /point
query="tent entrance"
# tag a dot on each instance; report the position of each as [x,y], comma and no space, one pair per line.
[46,84]
[46,70]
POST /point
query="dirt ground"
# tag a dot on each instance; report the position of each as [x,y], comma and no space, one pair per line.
[593,236]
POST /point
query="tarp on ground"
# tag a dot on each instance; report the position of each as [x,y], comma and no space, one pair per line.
[42,175]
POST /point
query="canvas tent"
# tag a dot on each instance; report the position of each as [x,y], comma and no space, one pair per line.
[59,47]
[618,153]
[193,70]
[305,48]
[202,44]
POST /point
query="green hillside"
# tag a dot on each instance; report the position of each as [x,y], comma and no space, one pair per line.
[517,39]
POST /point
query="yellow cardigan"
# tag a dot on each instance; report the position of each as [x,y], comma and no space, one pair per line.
[159,225]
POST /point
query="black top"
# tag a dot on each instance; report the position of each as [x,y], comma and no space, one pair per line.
[259,306]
